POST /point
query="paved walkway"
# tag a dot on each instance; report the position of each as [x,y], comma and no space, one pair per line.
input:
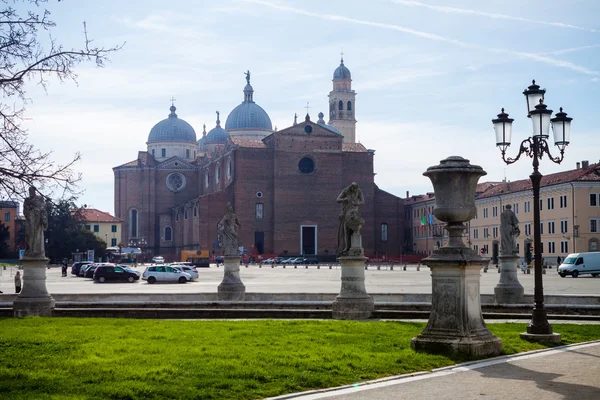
[564,373]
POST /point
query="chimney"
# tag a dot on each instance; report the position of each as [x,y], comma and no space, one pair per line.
[585,164]
[577,164]
[407,194]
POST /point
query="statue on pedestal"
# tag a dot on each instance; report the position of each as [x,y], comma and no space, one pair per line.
[36,222]
[350,221]
[509,230]
[227,229]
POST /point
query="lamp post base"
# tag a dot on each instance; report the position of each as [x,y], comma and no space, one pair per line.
[541,338]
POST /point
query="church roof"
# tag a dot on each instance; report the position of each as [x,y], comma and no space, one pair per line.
[248,115]
[354,147]
[322,122]
[172,129]
[341,72]
[249,143]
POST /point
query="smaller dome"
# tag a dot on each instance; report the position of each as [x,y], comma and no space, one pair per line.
[217,134]
[172,129]
[341,72]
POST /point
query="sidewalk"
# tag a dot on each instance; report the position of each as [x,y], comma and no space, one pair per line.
[563,373]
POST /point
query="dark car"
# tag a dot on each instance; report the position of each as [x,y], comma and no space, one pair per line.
[219,259]
[89,272]
[77,266]
[311,260]
[105,273]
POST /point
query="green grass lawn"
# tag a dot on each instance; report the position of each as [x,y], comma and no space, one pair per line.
[72,358]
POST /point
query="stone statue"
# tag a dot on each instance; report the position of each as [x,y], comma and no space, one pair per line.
[36,222]
[509,230]
[350,222]
[247,76]
[227,229]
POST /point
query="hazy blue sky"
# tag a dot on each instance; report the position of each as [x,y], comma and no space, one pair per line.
[429,76]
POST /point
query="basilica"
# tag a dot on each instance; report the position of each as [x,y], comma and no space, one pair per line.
[282,184]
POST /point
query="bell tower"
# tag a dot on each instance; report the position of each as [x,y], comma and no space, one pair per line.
[342,103]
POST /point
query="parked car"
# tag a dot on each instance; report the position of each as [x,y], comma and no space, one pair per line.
[89,271]
[311,260]
[119,273]
[158,260]
[84,268]
[278,260]
[286,260]
[187,269]
[297,260]
[77,266]
[269,261]
[580,263]
[165,273]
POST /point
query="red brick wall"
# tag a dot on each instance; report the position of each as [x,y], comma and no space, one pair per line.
[389,209]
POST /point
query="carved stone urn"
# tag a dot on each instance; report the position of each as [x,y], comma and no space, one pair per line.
[455,183]
[456,324]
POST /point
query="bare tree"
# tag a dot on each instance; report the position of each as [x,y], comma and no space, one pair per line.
[23,59]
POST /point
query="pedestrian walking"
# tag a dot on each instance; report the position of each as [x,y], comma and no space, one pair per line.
[18,282]
[64,268]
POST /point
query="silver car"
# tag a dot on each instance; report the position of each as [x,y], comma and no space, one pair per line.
[165,274]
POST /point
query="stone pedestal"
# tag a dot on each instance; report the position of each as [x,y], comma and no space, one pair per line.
[509,290]
[456,324]
[231,288]
[34,299]
[353,302]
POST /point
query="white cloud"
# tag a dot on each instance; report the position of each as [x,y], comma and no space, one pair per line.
[426,35]
[454,10]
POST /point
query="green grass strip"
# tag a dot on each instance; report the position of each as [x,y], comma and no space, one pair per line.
[76,358]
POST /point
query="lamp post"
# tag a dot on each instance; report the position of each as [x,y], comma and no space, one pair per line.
[535,146]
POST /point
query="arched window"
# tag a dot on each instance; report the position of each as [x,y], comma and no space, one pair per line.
[133,223]
[195,211]
[177,216]
[349,108]
[384,232]
[168,234]
[187,151]
[185,213]
[341,105]
[217,173]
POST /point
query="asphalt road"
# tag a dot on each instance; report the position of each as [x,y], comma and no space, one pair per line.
[301,280]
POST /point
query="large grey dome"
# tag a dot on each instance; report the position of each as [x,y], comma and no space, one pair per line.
[341,72]
[172,129]
[248,115]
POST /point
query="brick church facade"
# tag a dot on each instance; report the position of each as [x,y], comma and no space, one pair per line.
[282,184]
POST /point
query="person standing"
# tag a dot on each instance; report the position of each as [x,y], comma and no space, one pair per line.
[18,282]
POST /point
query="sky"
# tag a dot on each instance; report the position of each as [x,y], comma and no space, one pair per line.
[429,76]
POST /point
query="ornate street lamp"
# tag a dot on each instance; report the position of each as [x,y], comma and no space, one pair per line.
[535,147]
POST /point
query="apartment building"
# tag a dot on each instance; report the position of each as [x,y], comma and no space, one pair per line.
[9,214]
[104,225]
[569,215]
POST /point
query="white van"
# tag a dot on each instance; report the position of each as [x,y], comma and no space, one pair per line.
[580,263]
